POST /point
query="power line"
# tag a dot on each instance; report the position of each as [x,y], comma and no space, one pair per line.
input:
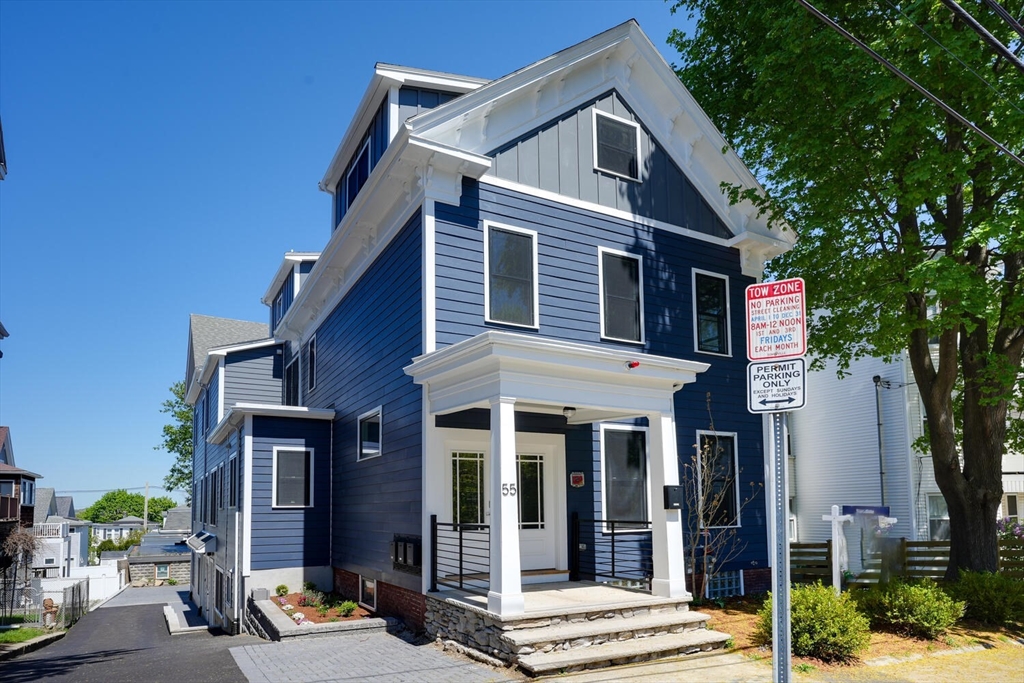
[119,488]
[1006,16]
[910,81]
[966,17]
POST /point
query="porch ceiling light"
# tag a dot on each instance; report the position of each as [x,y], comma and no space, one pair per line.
[568,412]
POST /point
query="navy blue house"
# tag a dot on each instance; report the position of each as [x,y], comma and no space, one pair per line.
[528,313]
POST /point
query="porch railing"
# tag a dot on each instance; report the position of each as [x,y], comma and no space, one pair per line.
[460,556]
[615,550]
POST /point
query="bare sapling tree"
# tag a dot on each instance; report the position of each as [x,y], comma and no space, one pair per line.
[16,553]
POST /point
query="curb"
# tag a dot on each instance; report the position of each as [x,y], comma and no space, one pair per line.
[14,649]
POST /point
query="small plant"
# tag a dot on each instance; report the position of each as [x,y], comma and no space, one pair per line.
[322,610]
[308,586]
[347,608]
[919,609]
[804,668]
[824,626]
[311,598]
[281,590]
[333,619]
[730,644]
[990,598]
[172,582]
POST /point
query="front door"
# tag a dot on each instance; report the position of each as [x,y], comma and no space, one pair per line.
[539,459]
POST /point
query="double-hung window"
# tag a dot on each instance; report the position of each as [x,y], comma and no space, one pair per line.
[711,312]
[938,518]
[616,145]
[293,477]
[621,275]
[624,474]
[719,483]
[510,275]
[369,435]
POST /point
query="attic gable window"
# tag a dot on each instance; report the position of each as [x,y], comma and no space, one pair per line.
[358,174]
[616,146]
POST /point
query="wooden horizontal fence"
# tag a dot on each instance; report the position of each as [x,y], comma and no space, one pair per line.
[810,562]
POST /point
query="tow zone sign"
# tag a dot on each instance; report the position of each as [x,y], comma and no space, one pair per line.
[776,320]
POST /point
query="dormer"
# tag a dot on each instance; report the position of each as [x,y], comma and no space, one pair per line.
[395,93]
[287,282]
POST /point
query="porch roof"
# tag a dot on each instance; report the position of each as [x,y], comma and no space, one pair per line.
[546,375]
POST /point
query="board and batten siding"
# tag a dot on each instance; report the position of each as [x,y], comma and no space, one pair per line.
[568,241]
[559,157]
[377,133]
[253,376]
[287,292]
[362,347]
[413,101]
[290,537]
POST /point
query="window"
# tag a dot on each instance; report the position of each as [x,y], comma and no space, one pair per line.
[211,491]
[50,560]
[711,312]
[369,435]
[616,145]
[359,172]
[717,472]
[938,518]
[625,493]
[368,593]
[233,482]
[28,492]
[510,292]
[311,364]
[467,488]
[278,308]
[1012,508]
[622,315]
[530,480]
[291,384]
[293,477]
[163,571]
[6,488]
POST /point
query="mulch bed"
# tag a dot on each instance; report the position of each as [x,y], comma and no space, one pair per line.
[311,613]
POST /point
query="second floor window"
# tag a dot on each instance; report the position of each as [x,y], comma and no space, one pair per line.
[358,174]
[293,477]
[711,312]
[510,288]
[621,296]
[291,384]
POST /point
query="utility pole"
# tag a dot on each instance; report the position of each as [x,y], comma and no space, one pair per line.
[145,512]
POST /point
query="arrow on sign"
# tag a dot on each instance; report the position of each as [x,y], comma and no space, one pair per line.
[765,401]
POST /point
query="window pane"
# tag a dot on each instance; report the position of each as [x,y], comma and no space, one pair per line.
[358,174]
[293,469]
[712,329]
[616,147]
[311,370]
[938,518]
[369,436]
[719,456]
[625,455]
[1011,506]
[511,277]
[531,491]
[621,284]
[467,488]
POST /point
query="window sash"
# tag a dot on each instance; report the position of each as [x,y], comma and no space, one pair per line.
[625,473]
[530,484]
[359,173]
[512,286]
[163,571]
[711,304]
[722,500]
[293,478]
[467,488]
[291,383]
[621,297]
[370,444]
[938,518]
[616,143]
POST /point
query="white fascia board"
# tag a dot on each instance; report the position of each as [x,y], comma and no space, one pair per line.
[424,78]
[213,356]
[287,267]
[239,411]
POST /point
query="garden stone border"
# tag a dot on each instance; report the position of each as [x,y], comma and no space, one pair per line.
[279,626]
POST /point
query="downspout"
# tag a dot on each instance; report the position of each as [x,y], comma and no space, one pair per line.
[877,379]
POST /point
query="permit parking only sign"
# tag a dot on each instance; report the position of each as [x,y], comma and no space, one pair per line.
[776,320]
[776,386]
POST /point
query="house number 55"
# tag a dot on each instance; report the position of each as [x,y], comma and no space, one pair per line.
[508,489]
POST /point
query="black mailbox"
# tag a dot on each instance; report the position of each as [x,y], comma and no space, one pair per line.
[673,497]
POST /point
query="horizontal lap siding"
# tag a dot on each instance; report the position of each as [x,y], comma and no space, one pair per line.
[569,309]
[253,376]
[362,348]
[559,157]
[290,537]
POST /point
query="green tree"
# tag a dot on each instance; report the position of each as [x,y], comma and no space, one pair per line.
[910,225]
[177,439]
[114,505]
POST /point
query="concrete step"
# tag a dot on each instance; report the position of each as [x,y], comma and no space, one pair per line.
[597,631]
[622,652]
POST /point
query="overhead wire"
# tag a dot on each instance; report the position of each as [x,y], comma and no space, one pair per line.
[976,26]
[1006,16]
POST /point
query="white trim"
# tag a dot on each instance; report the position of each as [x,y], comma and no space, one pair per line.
[220,390]
[379,412]
[309,484]
[311,363]
[373,607]
[728,313]
[240,411]
[247,503]
[352,169]
[429,277]
[288,263]
[601,251]
[735,469]
[393,112]
[606,427]
[487,274]
[634,125]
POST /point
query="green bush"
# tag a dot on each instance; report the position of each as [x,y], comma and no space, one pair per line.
[919,609]
[990,598]
[347,608]
[172,582]
[823,625]
[281,590]
[308,586]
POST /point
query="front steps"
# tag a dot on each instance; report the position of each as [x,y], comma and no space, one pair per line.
[630,627]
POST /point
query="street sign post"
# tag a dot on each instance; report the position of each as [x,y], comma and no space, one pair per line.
[776,385]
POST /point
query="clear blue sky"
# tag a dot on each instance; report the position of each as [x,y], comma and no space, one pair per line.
[162,157]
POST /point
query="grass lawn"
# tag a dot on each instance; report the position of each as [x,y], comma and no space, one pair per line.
[20,635]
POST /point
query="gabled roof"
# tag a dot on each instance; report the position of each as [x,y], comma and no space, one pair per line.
[206,332]
[11,469]
[6,447]
[45,505]
[65,506]
[287,265]
[129,520]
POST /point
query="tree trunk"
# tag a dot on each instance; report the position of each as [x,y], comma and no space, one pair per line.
[973,543]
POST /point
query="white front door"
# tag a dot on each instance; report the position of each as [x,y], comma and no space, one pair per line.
[540,460]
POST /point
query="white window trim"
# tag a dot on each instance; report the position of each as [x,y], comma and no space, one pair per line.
[487,275]
[606,427]
[311,373]
[601,251]
[355,163]
[379,412]
[373,607]
[156,571]
[312,471]
[634,124]
[735,469]
[728,313]
[278,308]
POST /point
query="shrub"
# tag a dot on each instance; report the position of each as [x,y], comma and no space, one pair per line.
[322,610]
[308,586]
[824,626]
[919,609]
[347,608]
[311,598]
[281,590]
[172,582]
[990,598]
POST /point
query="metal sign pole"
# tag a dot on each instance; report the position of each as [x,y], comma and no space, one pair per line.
[782,659]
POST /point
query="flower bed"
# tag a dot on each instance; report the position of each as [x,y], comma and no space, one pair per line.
[304,608]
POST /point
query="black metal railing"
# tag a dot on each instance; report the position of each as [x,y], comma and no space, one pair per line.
[611,550]
[460,556]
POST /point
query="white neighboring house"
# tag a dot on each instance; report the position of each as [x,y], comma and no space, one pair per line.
[63,540]
[116,530]
[1012,506]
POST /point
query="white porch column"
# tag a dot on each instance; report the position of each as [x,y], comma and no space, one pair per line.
[667,525]
[506,593]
